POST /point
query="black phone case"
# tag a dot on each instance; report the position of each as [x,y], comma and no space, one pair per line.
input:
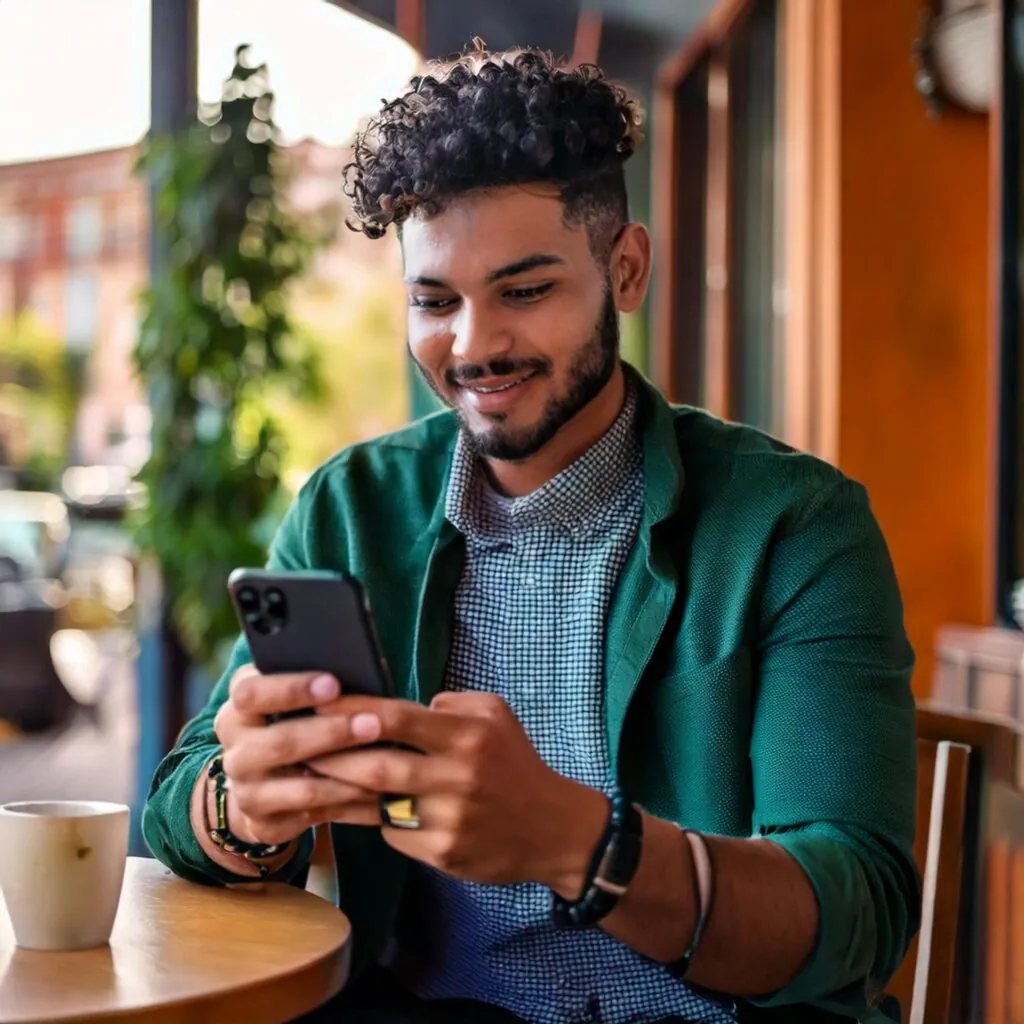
[327,628]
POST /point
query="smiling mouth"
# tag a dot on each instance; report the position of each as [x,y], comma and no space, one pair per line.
[481,389]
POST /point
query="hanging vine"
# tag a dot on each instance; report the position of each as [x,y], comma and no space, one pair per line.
[215,341]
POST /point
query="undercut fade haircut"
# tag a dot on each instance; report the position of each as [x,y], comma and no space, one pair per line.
[487,120]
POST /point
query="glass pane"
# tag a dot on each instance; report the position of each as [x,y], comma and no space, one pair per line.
[754,144]
[1010,569]
[84,235]
[81,308]
[690,271]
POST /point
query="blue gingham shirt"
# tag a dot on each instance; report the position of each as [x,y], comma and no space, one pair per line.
[530,615]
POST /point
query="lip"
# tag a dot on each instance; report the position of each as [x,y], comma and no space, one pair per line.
[497,401]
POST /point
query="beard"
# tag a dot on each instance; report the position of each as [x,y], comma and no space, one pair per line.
[590,370]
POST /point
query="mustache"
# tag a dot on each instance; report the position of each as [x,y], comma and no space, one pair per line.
[496,368]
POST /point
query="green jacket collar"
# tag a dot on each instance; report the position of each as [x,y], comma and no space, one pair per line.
[664,475]
[643,600]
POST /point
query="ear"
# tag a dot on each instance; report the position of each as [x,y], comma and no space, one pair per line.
[630,267]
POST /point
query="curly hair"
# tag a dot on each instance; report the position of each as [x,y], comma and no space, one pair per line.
[486,120]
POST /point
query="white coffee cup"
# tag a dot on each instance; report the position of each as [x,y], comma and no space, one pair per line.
[61,869]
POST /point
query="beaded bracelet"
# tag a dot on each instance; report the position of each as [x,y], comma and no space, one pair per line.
[222,835]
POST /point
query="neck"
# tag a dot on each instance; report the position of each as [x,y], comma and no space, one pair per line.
[589,425]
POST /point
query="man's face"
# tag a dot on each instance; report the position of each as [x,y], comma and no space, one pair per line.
[511,320]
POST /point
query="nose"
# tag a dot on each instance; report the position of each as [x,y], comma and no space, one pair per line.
[479,336]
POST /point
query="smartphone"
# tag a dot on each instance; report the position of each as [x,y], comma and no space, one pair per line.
[310,621]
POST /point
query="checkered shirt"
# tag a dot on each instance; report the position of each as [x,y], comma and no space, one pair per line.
[530,616]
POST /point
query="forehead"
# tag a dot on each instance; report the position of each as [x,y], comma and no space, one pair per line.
[482,232]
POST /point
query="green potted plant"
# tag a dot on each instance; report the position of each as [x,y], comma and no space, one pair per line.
[215,342]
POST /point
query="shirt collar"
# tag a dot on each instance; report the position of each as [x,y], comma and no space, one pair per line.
[577,499]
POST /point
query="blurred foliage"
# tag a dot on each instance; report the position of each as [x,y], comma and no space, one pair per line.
[633,339]
[360,332]
[37,402]
[215,342]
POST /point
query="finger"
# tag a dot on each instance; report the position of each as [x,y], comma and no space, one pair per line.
[399,721]
[294,794]
[470,703]
[283,828]
[293,742]
[255,695]
[393,771]
[228,724]
[280,829]
[431,811]
[365,813]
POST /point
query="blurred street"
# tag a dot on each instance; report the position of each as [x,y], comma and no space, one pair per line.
[93,757]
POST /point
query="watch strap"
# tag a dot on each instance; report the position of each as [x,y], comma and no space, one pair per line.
[612,867]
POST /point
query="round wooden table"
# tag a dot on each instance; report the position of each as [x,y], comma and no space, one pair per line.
[185,954]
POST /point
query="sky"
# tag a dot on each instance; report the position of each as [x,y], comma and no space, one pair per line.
[74,74]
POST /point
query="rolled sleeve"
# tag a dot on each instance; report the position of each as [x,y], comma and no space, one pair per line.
[866,895]
[834,746]
[166,818]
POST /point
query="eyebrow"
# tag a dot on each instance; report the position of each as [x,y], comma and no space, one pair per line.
[539,259]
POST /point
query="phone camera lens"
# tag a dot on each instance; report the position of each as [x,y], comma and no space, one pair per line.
[277,606]
[260,624]
[248,599]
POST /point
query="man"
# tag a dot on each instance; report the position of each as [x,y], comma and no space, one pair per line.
[651,666]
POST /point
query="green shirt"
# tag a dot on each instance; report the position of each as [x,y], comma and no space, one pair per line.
[757,678]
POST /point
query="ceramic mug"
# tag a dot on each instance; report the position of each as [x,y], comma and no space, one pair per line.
[61,870]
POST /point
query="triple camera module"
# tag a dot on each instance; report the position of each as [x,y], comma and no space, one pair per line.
[266,611]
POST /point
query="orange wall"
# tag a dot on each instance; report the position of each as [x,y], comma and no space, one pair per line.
[914,265]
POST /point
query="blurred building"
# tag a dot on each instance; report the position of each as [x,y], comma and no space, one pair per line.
[74,254]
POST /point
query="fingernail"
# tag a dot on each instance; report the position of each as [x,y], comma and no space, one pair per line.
[365,726]
[324,688]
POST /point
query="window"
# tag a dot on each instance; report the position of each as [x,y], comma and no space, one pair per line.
[720,189]
[81,309]
[18,235]
[754,146]
[84,228]
[9,227]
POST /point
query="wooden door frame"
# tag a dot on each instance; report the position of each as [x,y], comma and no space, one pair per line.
[807,324]
[707,41]
[810,203]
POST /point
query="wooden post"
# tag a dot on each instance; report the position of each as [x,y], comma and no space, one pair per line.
[587,44]
[717,236]
[162,666]
[411,23]
[682,166]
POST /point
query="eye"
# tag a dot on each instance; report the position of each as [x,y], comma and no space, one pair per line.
[529,294]
[432,304]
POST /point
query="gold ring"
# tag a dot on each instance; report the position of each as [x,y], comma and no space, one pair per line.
[397,811]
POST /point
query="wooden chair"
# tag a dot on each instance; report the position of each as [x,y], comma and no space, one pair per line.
[960,967]
[944,767]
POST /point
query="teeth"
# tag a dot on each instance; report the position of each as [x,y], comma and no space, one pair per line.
[503,387]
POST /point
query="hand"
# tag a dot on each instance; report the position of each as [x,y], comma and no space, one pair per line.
[272,796]
[491,809]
